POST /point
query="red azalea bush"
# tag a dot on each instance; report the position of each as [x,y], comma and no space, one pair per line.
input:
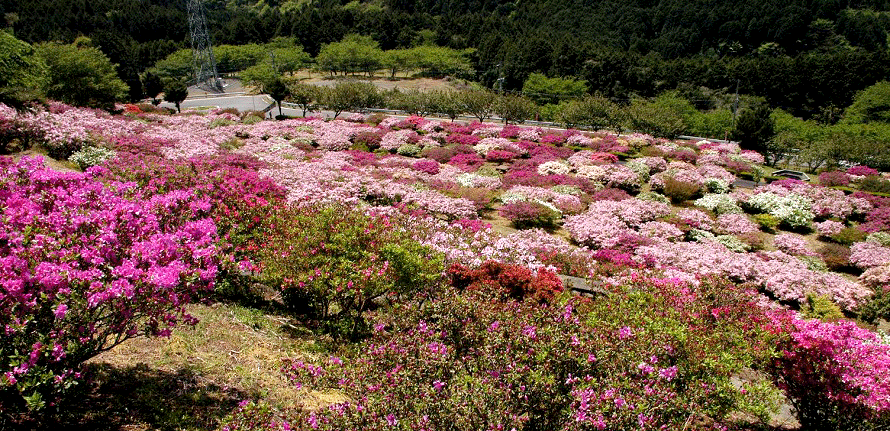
[428,166]
[460,139]
[683,155]
[834,178]
[515,281]
[85,265]
[656,354]
[610,194]
[370,140]
[557,140]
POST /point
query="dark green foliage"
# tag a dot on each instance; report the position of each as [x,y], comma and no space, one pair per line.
[848,236]
[806,57]
[755,127]
[175,92]
[333,263]
[877,308]
[81,75]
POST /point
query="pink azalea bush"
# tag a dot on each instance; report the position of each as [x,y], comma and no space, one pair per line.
[85,265]
[792,244]
[828,228]
[836,375]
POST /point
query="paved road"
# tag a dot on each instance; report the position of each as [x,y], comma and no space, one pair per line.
[240,102]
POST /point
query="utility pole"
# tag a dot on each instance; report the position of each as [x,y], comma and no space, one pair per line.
[500,80]
[735,104]
[202,49]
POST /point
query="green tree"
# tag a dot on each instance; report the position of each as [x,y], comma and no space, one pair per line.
[22,72]
[287,55]
[259,76]
[439,61]
[413,101]
[355,53]
[303,95]
[755,127]
[596,112]
[870,105]
[397,60]
[656,118]
[478,103]
[176,92]
[516,109]
[448,102]
[544,90]
[152,86]
[349,96]
[278,92]
[80,74]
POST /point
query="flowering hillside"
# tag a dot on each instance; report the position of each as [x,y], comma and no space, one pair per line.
[365,228]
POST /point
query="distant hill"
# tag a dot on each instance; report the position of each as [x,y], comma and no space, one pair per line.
[802,55]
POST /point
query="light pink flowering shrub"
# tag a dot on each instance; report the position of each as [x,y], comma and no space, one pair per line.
[85,265]
[736,224]
[792,244]
[828,227]
[867,255]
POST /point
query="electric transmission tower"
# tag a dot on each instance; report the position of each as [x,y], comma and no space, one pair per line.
[202,49]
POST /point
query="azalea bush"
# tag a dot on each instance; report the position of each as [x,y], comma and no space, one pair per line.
[836,375]
[529,214]
[333,263]
[85,265]
[656,354]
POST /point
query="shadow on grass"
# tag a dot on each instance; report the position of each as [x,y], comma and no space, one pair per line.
[139,397]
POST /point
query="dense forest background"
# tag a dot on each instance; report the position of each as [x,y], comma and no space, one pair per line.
[808,57]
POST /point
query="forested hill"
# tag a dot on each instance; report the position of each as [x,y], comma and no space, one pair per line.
[803,55]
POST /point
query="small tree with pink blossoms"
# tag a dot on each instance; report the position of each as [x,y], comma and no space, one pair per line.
[85,265]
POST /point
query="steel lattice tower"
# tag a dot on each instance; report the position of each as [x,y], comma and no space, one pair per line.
[202,49]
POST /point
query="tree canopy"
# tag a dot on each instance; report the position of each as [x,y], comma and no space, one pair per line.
[80,74]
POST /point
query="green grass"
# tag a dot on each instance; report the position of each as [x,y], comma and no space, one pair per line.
[194,378]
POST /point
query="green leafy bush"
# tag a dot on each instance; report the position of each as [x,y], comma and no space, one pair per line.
[848,236]
[821,307]
[652,352]
[874,184]
[680,191]
[333,263]
[767,222]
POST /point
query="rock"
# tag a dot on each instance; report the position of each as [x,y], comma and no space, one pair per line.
[580,286]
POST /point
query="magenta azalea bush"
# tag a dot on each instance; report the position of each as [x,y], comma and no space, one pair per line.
[836,375]
[85,265]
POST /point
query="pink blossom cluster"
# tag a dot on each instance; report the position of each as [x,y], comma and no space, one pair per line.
[606,221]
[394,140]
[566,203]
[83,263]
[868,255]
[793,244]
[839,362]
[828,227]
[735,224]
[783,276]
